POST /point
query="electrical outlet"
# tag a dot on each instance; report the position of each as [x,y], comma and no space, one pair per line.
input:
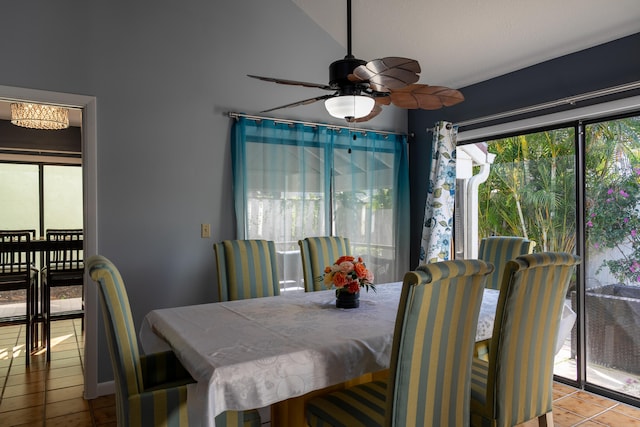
[205,231]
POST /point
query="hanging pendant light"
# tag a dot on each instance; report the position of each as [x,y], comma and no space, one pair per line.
[39,116]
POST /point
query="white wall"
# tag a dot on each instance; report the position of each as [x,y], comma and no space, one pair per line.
[163,73]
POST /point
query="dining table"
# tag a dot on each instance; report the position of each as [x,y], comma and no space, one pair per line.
[253,353]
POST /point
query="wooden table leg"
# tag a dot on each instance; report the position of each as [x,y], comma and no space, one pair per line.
[290,412]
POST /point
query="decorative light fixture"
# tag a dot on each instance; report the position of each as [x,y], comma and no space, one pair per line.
[38,116]
[349,106]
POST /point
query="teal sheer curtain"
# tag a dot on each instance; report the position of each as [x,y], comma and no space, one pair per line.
[294,180]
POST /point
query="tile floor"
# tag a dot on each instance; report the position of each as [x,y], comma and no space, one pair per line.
[44,395]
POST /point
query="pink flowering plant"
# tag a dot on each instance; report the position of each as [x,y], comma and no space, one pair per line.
[613,222]
[348,274]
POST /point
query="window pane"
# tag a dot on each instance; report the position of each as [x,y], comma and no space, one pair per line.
[363,207]
[19,208]
[612,300]
[285,200]
[62,197]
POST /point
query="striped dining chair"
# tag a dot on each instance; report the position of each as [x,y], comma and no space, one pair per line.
[430,368]
[317,253]
[498,250]
[151,390]
[515,385]
[246,269]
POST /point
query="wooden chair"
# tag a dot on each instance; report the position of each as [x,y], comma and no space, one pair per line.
[498,250]
[246,269]
[430,369]
[18,272]
[317,253]
[64,266]
[151,390]
[515,384]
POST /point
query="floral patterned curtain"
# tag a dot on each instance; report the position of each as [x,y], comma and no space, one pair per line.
[437,227]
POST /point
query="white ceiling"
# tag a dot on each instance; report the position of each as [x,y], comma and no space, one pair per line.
[461,42]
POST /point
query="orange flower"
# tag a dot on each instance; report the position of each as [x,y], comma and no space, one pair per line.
[339,280]
[354,287]
[361,270]
[345,258]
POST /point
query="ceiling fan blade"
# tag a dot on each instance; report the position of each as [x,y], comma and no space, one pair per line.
[425,97]
[388,73]
[303,102]
[292,82]
[377,109]
[382,99]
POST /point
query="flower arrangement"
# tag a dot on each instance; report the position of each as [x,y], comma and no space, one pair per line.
[348,274]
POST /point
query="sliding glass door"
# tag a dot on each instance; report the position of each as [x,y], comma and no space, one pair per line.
[40,197]
[612,259]
[532,191]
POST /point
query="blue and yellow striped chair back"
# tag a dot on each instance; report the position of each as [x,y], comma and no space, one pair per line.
[121,338]
[498,250]
[246,269]
[515,385]
[317,253]
[430,368]
[151,390]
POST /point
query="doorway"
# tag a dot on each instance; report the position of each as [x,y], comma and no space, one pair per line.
[87,104]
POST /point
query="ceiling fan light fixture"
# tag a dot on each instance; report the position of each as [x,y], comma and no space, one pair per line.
[39,116]
[349,106]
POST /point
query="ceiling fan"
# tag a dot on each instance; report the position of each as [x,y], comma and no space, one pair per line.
[361,88]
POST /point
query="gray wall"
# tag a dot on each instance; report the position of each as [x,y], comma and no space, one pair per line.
[164,72]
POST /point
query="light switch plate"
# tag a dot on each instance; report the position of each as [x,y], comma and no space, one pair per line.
[205,231]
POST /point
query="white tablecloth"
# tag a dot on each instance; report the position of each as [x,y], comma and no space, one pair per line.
[252,353]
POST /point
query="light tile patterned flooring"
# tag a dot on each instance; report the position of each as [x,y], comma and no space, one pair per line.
[44,395]
[572,407]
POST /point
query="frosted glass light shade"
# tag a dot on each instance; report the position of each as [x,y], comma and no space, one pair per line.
[355,106]
[38,116]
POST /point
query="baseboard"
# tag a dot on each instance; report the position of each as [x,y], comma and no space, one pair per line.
[106,388]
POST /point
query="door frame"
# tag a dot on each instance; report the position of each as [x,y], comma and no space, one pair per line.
[90,214]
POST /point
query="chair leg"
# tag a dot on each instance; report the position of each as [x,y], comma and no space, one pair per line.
[35,316]
[545,420]
[47,321]
[28,323]
[42,314]
[32,320]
